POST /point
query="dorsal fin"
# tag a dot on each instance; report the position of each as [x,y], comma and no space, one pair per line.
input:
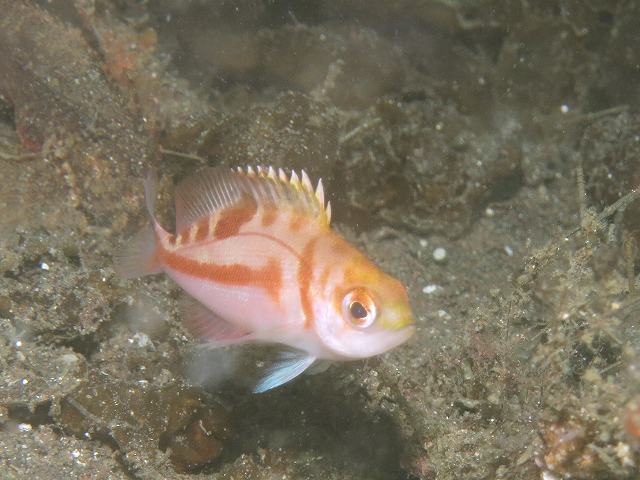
[216,188]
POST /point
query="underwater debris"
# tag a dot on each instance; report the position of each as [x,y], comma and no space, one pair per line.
[141,421]
[457,151]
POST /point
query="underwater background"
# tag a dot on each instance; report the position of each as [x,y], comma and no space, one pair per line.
[483,152]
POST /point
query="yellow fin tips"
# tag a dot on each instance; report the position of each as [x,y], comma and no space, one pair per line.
[306,183]
[300,187]
[320,192]
[295,181]
[213,189]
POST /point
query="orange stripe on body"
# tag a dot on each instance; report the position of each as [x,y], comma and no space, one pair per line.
[305,273]
[232,219]
[324,276]
[269,216]
[202,231]
[269,277]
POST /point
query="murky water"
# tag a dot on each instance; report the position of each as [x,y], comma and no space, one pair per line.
[485,153]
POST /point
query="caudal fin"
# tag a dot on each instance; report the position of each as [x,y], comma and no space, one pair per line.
[139,256]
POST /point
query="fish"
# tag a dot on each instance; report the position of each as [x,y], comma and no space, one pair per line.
[259,262]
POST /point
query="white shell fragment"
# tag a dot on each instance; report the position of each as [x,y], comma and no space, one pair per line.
[439,254]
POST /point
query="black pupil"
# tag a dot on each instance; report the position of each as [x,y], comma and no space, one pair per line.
[357,310]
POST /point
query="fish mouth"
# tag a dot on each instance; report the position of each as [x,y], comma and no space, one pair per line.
[404,334]
[397,317]
[373,343]
[391,339]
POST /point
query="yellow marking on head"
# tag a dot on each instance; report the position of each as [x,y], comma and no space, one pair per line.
[394,310]
[396,315]
[360,270]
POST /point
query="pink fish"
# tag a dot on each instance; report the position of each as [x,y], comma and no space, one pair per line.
[255,252]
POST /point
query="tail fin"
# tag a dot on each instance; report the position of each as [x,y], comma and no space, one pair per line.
[138,257]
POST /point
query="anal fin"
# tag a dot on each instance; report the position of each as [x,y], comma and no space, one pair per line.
[319,367]
[286,368]
[204,324]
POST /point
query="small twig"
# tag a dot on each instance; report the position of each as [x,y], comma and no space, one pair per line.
[166,151]
[96,420]
[620,204]
[610,367]
[360,128]
[18,158]
[582,194]
[600,218]
[630,251]
[589,117]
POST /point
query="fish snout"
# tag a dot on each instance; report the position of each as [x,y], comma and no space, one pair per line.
[397,316]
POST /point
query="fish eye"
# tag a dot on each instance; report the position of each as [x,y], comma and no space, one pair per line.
[358,308]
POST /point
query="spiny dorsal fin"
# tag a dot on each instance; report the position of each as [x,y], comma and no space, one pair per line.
[217,188]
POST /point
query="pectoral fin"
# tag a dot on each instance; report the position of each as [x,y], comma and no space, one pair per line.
[286,368]
[204,324]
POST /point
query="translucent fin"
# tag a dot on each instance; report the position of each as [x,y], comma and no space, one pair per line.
[319,367]
[204,324]
[138,257]
[289,366]
[213,189]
